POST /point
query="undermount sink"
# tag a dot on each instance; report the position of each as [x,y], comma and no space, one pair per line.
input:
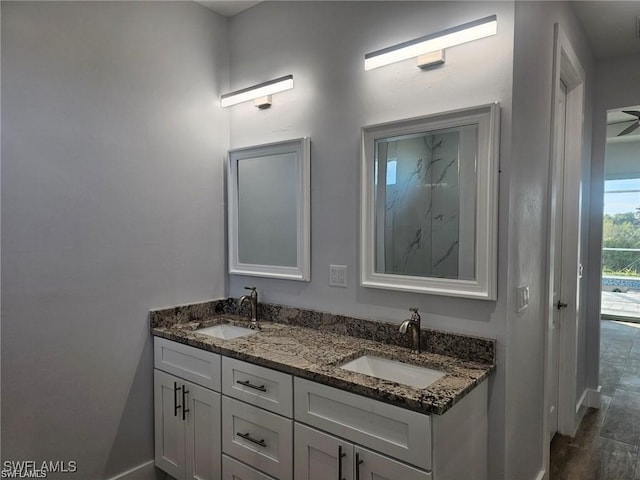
[399,372]
[226,331]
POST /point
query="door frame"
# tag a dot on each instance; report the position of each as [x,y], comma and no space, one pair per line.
[567,69]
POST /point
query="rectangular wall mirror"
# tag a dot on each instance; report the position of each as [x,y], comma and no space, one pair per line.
[429,204]
[269,210]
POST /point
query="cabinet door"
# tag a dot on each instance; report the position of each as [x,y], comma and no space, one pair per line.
[373,466]
[202,423]
[319,456]
[169,427]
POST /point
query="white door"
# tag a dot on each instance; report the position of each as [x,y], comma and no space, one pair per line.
[373,466]
[319,456]
[169,426]
[564,255]
[554,320]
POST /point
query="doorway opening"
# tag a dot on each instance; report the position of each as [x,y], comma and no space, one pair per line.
[621,217]
[563,258]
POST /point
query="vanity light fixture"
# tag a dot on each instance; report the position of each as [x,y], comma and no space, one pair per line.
[429,49]
[261,93]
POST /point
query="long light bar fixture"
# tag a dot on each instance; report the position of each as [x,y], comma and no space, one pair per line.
[432,44]
[261,93]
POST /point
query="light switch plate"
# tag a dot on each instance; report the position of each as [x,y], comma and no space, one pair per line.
[523,298]
[338,275]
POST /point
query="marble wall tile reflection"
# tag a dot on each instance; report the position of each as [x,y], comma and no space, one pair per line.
[421,198]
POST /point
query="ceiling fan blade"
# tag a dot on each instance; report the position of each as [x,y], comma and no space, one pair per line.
[635,113]
[630,129]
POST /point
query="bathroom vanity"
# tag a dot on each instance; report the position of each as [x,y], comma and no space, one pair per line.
[292,402]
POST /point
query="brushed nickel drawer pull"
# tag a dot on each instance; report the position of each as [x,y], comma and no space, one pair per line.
[247,436]
[247,383]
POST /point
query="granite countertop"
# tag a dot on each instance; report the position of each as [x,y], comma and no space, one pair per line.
[316,354]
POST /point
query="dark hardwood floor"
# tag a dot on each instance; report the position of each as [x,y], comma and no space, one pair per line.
[607,443]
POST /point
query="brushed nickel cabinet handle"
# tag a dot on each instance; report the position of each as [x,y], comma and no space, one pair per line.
[341,455]
[184,402]
[359,462]
[247,383]
[176,407]
[247,436]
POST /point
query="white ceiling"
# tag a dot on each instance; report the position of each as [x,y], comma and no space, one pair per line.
[610,26]
[228,8]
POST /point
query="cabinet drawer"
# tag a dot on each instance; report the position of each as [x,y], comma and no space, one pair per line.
[259,438]
[395,431]
[235,470]
[193,364]
[258,386]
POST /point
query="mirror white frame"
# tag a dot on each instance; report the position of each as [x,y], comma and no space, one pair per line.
[298,151]
[484,286]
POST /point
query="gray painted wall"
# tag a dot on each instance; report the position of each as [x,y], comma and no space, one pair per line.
[616,87]
[323,46]
[112,204]
[334,97]
[528,222]
[112,193]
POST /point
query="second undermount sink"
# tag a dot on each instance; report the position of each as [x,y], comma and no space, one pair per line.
[393,370]
[226,331]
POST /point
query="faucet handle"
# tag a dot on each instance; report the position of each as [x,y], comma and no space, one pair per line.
[415,316]
[253,290]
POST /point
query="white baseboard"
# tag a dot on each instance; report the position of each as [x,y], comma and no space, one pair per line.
[146,471]
[592,398]
[580,405]
[589,398]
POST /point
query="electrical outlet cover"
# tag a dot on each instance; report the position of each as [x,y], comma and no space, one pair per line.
[338,275]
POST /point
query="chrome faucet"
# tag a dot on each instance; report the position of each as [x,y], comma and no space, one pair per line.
[252,298]
[414,324]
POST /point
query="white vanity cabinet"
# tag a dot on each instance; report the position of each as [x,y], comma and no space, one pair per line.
[187,415]
[222,418]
